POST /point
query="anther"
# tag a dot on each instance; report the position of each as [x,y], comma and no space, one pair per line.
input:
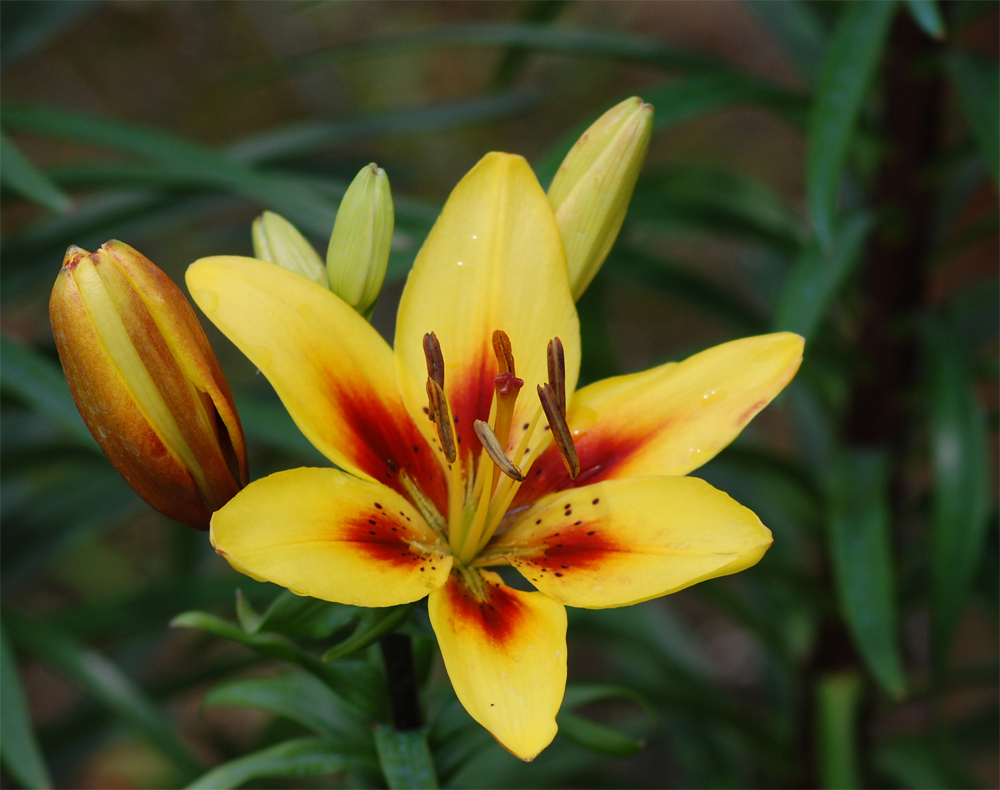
[435,359]
[440,414]
[503,351]
[560,429]
[557,372]
[496,453]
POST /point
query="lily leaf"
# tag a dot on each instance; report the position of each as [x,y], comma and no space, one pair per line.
[962,496]
[405,758]
[372,626]
[19,174]
[102,679]
[852,56]
[300,615]
[299,697]
[927,15]
[861,555]
[977,84]
[295,758]
[816,278]
[19,748]
[40,384]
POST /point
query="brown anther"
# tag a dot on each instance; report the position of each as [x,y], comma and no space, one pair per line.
[441,415]
[503,351]
[496,453]
[557,372]
[435,359]
[560,429]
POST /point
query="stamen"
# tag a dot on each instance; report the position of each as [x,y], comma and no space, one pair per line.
[557,372]
[441,415]
[435,359]
[427,509]
[503,351]
[560,429]
[496,453]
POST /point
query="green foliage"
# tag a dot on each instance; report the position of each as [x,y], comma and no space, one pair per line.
[782,193]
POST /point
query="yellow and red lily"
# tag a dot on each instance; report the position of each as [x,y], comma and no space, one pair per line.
[448,471]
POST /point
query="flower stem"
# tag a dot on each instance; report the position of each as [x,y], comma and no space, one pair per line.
[397,655]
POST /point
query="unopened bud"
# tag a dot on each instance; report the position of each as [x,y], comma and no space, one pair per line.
[146,382]
[591,191]
[362,234]
[276,240]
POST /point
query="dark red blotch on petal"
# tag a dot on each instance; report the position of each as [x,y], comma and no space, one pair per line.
[388,441]
[497,615]
[470,395]
[600,454]
[578,546]
[384,537]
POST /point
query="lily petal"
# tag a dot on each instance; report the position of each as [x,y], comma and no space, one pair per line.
[624,541]
[506,656]
[323,533]
[669,420]
[331,369]
[493,260]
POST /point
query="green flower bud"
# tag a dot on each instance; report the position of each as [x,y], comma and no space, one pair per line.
[147,383]
[276,240]
[591,191]
[362,234]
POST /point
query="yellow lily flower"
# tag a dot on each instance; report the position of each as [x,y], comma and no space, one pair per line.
[447,471]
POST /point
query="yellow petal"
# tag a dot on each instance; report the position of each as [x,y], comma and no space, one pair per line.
[323,533]
[494,260]
[333,372]
[671,419]
[505,652]
[624,541]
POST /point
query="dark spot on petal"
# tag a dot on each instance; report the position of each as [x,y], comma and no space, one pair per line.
[559,574]
[378,506]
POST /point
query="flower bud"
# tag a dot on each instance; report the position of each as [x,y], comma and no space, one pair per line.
[591,191]
[146,382]
[362,234]
[276,240]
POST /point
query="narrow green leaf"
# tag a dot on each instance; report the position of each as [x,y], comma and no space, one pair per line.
[538,12]
[18,747]
[19,174]
[316,136]
[717,202]
[849,65]
[837,736]
[815,278]
[295,758]
[246,615]
[962,494]
[298,696]
[300,615]
[104,681]
[977,82]
[41,385]
[358,683]
[928,16]
[685,99]
[799,30]
[861,554]
[295,200]
[683,285]
[915,764]
[372,626]
[596,737]
[405,758]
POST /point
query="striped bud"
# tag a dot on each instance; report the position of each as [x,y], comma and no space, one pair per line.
[591,191]
[276,240]
[362,234]
[146,382]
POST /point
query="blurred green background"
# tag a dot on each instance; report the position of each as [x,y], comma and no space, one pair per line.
[827,168]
